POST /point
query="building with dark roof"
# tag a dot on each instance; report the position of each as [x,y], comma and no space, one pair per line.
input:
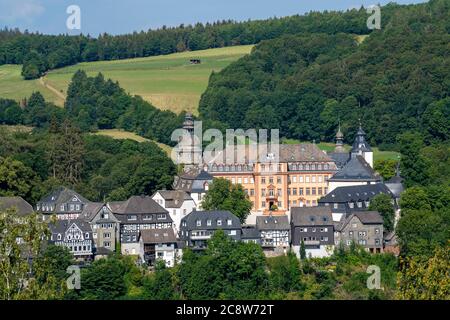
[178,203]
[355,172]
[251,234]
[158,244]
[18,204]
[194,181]
[275,232]
[364,228]
[315,228]
[105,227]
[136,214]
[199,226]
[76,235]
[345,200]
[65,203]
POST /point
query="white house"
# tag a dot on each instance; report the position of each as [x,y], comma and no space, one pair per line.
[177,202]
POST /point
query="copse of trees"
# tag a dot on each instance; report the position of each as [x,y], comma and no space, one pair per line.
[97,166]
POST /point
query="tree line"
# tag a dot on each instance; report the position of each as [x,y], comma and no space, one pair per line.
[39,53]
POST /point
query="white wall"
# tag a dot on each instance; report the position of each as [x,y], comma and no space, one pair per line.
[335,184]
[321,252]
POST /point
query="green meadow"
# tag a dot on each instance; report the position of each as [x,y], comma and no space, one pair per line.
[168,81]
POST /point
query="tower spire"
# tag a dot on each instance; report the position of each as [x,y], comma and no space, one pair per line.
[339,139]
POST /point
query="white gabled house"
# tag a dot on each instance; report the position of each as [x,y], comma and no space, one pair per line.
[177,202]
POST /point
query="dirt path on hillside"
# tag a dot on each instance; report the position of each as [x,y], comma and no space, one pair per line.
[51,88]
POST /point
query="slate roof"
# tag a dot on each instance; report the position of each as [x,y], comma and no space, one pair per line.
[356,169]
[339,158]
[366,217]
[311,216]
[91,209]
[154,236]
[192,180]
[250,232]
[23,208]
[61,226]
[214,215]
[137,205]
[272,222]
[369,217]
[355,193]
[360,143]
[174,198]
[395,185]
[62,195]
[304,152]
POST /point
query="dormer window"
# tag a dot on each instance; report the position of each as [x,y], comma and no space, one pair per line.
[199,223]
[229,222]
[59,236]
[208,223]
[86,235]
[219,222]
[132,217]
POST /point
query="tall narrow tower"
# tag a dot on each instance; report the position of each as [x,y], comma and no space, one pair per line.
[189,150]
[339,141]
[361,146]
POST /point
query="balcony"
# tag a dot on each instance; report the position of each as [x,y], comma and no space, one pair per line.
[201,237]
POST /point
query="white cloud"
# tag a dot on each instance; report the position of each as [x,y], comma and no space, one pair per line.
[20,10]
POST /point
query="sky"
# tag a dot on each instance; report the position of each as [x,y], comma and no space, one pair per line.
[125,16]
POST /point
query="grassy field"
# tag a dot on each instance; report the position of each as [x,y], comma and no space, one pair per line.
[12,86]
[121,134]
[329,146]
[168,81]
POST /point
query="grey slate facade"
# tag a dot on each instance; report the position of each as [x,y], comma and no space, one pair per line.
[314,226]
[76,235]
[364,228]
[199,226]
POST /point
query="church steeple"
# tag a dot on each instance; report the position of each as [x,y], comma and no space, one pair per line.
[339,140]
[361,146]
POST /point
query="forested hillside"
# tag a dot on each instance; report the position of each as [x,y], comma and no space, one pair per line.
[397,80]
[39,53]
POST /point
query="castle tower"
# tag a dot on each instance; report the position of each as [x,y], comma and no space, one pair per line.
[361,146]
[339,141]
[189,150]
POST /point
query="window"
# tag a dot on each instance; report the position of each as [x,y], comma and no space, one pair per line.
[229,222]
[62,207]
[308,191]
[313,191]
[270,179]
[294,179]
[263,192]
[377,241]
[313,179]
[132,217]
[199,223]
[335,205]
[107,235]
[147,217]
[252,192]
[294,191]
[219,222]
[319,191]
[263,180]
[77,207]
[307,179]
[279,192]
[72,207]
[279,180]
[377,231]
[263,204]
[107,244]
[300,191]
[59,236]
[208,222]
[86,235]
